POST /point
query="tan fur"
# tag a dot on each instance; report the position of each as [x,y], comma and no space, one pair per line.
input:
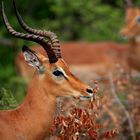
[33,118]
[102,56]
[131,30]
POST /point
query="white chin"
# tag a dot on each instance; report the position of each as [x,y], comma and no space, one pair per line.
[85,98]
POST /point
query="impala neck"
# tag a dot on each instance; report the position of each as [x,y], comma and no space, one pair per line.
[37,111]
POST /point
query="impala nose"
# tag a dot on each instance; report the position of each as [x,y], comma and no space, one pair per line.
[88,90]
[90,94]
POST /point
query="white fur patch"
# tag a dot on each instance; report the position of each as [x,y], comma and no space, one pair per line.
[63,72]
[33,61]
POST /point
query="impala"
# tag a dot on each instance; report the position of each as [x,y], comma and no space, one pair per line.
[33,118]
[131,30]
[110,54]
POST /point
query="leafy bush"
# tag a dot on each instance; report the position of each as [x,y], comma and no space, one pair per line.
[7,100]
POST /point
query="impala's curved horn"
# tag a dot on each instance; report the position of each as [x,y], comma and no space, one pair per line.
[48,34]
[129,3]
[32,37]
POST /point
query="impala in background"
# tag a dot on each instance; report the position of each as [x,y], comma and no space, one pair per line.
[101,56]
[131,31]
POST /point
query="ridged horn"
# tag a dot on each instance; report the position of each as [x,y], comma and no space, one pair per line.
[48,34]
[32,37]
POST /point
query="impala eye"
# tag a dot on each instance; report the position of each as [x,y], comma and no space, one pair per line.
[58,73]
[138,19]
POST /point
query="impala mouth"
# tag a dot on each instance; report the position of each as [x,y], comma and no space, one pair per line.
[87,97]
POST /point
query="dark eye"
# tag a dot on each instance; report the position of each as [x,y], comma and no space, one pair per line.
[58,73]
[138,19]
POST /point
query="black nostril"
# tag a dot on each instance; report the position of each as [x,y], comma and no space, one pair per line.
[89,90]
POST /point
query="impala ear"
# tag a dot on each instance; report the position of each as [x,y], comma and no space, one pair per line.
[31,58]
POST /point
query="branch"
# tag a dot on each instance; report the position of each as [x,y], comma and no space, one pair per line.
[7,42]
[122,106]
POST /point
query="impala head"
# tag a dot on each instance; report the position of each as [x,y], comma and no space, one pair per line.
[52,71]
[132,20]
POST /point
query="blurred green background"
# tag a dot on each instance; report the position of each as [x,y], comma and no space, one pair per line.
[72,20]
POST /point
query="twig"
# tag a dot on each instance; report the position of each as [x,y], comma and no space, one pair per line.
[122,106]
[7,42]
[111,114]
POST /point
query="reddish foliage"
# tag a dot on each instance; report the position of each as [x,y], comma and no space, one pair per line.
[80,122]
[110,134]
